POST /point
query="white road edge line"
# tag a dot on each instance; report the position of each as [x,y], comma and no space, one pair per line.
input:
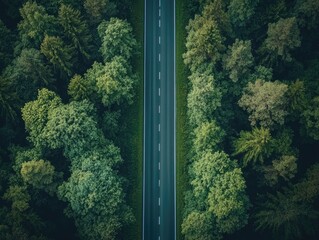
[174,115]
[143,234]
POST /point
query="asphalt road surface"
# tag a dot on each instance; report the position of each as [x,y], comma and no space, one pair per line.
[159,198]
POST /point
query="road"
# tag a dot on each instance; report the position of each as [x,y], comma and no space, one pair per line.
[159,196]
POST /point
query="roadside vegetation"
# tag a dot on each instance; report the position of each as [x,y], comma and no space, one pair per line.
[71,119]
[252,119]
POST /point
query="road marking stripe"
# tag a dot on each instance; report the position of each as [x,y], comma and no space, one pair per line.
[159,127]
[159,182]
[159,75]
[159,23]
[159,109]
[159,201]
[159,40]
[159,91]
[159,220]
[159,166]
[159,12]
[159,147]
[159,57]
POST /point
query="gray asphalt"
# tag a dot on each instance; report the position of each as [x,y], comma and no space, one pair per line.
[159,119]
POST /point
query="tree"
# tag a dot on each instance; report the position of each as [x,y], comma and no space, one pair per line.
[117,39]
[30,66]
[297,96]
[240,11]
[239,60]
[8,101]
[199,226]
[219,181]
[311,119]
[35,24]
[59,54]
[254,145]
[284,168]
[79,88]
[307,13]
[36,113]
[76,29]
[38,173]
[265,102]
[203,99]
[282,37]
[95,195]
[116,82]
[99,9]
[285,217]
[204,42]
[208,136]
[6,45]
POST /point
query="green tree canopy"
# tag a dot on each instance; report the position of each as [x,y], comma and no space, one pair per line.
[76,29]
[117,39]
[254,145]
[265,102]
[99,9]
[38,173]
[311,119]
[58,53]
[282,37]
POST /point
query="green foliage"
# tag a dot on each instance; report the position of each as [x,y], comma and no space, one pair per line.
[116,82]
[239,60]
[282,37]
[203,99]
[38,173]
[35,24]
[265,102]
[208,136]
[285,168]
[58,53]
[76,29]
[285,217]
[254,145]
[8,100]
[297,96]
[204,42]
[219,182]
[240,11]
[30,67]
[307,11]
[117,39]
[19,197]
[99,9]
[311,119]
[6,45]
[199,226]
[35,114]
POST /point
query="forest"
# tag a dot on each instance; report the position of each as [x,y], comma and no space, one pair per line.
[252,119]
[67,83]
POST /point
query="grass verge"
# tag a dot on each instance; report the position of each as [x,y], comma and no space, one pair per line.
[181,112]
[133,149]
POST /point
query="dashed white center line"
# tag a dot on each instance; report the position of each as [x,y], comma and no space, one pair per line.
[159,92]
[159,12]
[159,201]
[159,147]
[159,109]
[159,182]
[159,220]
[159,40]
[159,166]
[159,237]
[159,57]
[159,75]
[159,127]
[159,23]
